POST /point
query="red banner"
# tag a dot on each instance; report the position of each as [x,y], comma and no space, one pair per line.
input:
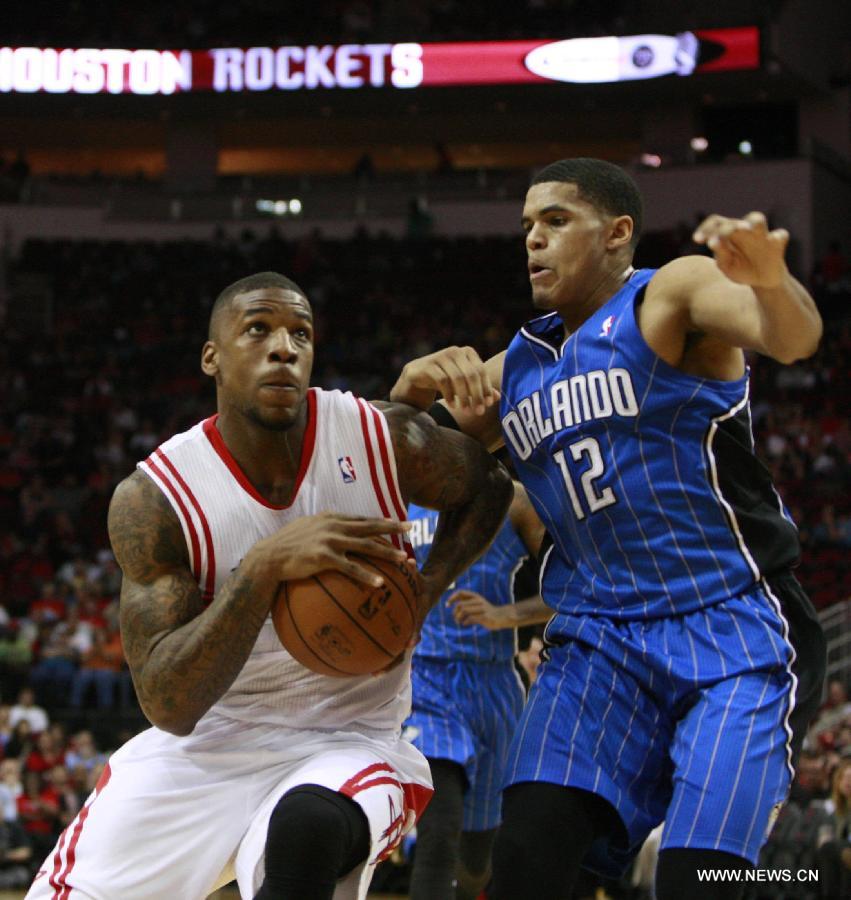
[402,66]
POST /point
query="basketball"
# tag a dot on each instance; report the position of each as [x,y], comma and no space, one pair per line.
[337,626]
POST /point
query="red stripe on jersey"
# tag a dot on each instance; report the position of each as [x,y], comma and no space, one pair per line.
[190,525]
[57,863]
[210,582]
[62,881]
[385,462]
[401,512]
[373,469]
[351,784]
[417,796]
[308,442]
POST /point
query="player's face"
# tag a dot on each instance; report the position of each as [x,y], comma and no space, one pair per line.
[264,355]
[566,243]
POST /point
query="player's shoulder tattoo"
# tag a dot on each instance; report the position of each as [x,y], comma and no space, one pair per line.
[143,528]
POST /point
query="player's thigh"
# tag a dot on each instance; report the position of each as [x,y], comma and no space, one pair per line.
[591,724]
[154,827]
[732,765]
[389,780]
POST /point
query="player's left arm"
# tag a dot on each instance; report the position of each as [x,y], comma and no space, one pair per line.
[445,470]
[745,297]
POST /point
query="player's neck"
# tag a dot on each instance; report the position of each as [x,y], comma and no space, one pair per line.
[607,285]
[269,459]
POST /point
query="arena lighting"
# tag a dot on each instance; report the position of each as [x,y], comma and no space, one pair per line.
[699,144]
[403,66]
[280,207]
[746,148]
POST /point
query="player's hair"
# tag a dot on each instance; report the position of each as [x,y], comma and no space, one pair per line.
[252,283]
[600,183]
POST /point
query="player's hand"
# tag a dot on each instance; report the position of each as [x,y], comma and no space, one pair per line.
[745,250]
[471,608]
[316,543]
[457,373]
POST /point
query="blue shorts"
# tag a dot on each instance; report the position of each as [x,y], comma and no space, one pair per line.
[466,712]
[693,720]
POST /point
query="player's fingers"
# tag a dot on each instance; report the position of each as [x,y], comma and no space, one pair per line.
[706,229]
[356,571]
[363,526]
[757,221]
[781,235]
[480,382]
[373,547]
[459,597]
[463,369]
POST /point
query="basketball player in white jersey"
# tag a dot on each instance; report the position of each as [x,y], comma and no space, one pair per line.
[257,768]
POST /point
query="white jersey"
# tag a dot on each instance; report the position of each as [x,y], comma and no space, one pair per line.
[347,466]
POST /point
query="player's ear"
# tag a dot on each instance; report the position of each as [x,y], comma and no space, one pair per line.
[620,232]
[210,359]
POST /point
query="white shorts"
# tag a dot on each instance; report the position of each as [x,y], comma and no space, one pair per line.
[176,818]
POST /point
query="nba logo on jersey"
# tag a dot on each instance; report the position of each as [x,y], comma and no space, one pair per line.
[347,469]
[607,326]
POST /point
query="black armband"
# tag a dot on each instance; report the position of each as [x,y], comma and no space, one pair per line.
[442,416]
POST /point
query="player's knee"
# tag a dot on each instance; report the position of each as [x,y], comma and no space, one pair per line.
[316,830]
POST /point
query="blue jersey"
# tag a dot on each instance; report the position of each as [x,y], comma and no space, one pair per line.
[643,475]
[492,576]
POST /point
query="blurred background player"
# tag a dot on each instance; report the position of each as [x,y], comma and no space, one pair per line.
[467,698]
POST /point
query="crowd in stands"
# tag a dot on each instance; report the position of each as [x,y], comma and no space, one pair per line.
[112,368]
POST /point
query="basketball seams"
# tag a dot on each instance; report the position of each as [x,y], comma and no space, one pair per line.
[402,593]
[301,637]
[350,617]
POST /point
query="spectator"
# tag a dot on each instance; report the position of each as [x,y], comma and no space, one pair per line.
[100,668]
[11,788]
[5,727]
[58,661]
[38,812]
[530,659]
[70,800]
[26,708]
[21,741]
[834,855]
[50,606]
[45,755]
[83,756]
[15,855]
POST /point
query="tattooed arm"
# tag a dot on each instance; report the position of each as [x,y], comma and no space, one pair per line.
[182,656]
[445,470]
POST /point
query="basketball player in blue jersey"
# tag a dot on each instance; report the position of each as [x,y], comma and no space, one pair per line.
[467,697]
[684,660]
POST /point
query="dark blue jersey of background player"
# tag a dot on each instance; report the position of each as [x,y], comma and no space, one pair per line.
[686,660]
[476,618]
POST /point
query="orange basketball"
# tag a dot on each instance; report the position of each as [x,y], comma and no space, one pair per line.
[337,626]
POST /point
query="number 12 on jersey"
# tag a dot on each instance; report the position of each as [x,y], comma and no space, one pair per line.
[587,449]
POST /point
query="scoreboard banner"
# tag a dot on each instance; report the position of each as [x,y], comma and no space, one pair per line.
[596,60]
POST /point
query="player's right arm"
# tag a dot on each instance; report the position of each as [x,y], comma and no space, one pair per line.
[469,388]
[183,656]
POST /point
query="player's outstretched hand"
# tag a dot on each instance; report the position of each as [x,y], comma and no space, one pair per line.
[316,543]
[457,373]
[745,250]
[471,608]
